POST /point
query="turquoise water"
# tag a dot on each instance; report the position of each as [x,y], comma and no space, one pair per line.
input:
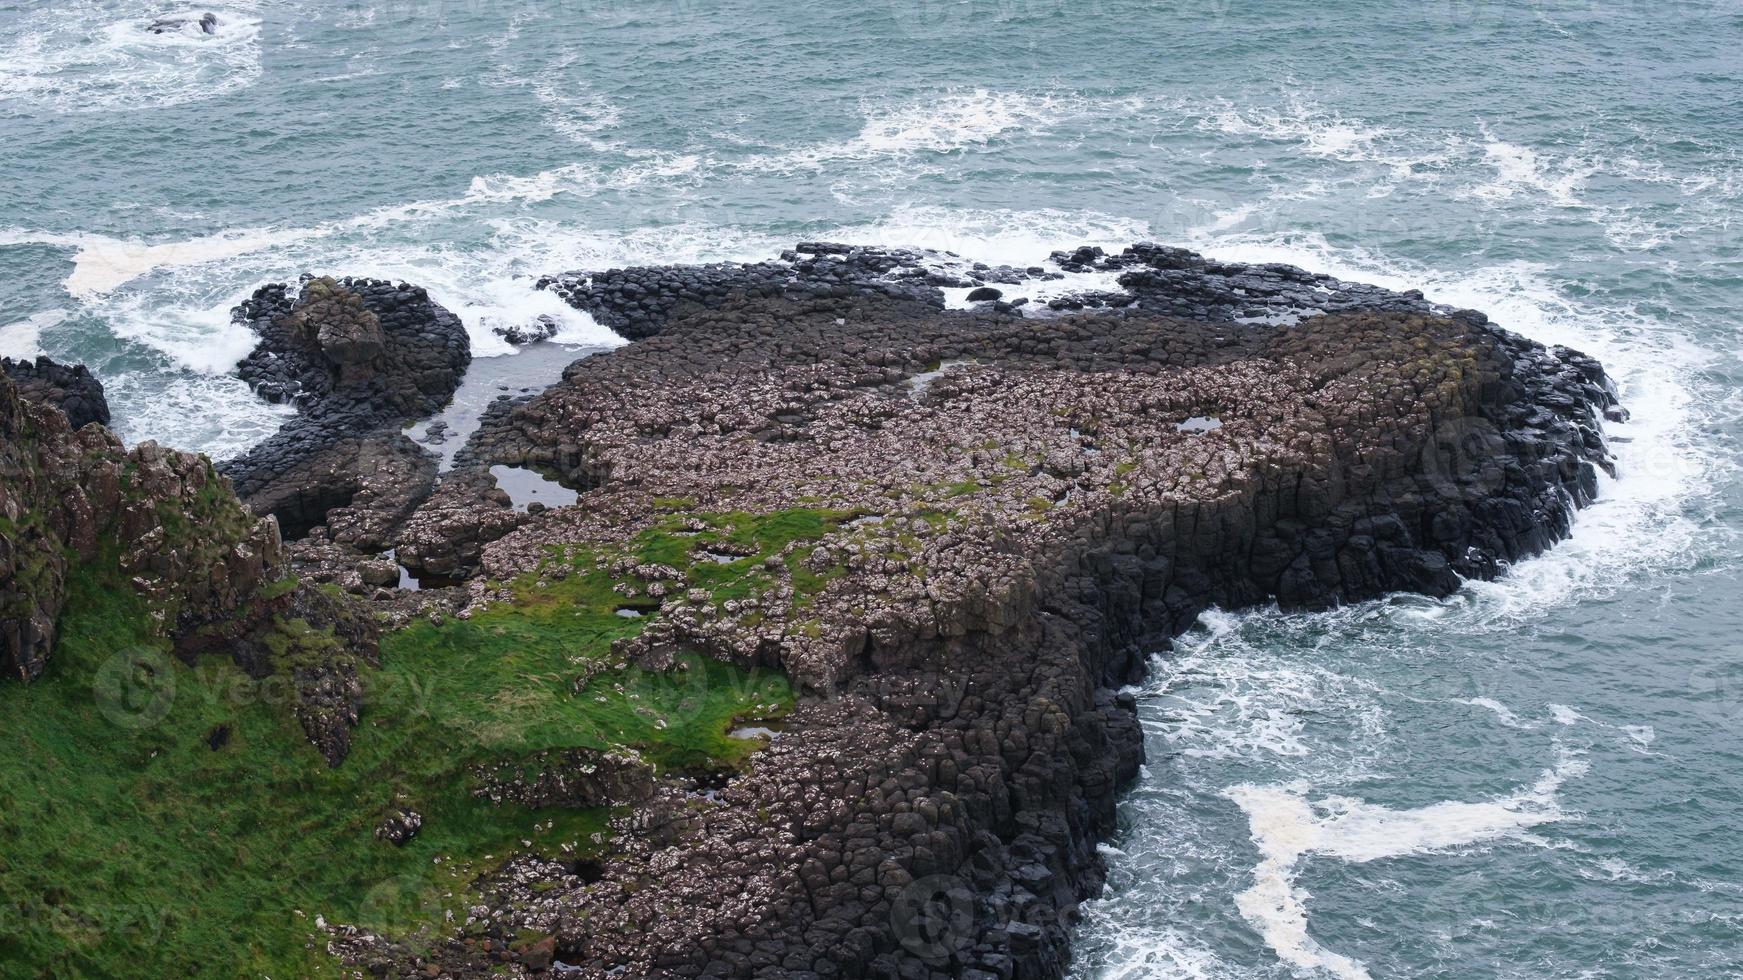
[1539,777]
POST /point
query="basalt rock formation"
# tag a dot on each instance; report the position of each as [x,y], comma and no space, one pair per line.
[73,390]
[1020,510]
[637,303]
[358,358]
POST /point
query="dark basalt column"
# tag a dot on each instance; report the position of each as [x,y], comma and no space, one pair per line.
[70,388]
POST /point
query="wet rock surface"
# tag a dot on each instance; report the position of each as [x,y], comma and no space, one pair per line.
[203,23]
[1008,542]
[639,302]
[70,388]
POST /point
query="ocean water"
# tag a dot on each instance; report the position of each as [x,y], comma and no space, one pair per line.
[1538,777]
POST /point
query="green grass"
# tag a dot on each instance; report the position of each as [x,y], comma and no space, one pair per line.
[129,846]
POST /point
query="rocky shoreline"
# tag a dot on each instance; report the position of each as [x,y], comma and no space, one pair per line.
[979,504]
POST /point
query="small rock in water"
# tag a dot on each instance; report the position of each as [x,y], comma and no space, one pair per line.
[985,294]
[543,328]
[206,23]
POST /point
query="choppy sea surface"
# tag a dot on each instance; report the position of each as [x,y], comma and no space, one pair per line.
[1538,777]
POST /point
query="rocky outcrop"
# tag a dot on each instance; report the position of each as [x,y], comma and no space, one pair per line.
[166,517]
[210,572]
[205,23]
[72,389]
[639,302]
[1020,510]
[572,778]
[312,638]
[353,351]
[445,538]
[359,358]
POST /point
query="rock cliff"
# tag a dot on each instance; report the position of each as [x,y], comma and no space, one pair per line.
[166,517]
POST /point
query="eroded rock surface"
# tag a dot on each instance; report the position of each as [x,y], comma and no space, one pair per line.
[211,573]
[1021,510]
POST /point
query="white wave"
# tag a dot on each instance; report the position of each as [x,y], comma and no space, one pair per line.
[1230,692]
[214,414]
[190,325]
[1504,713]
[22,340]
[943,125]
[1323,133]
[1520,169]
[1287,827]
[994,236]
[75,57]
[101,263]
[1164,953]
[1039,291]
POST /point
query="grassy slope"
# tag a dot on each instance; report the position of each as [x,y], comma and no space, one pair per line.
[131,849]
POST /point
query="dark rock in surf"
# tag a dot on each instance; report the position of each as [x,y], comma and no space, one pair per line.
[542,328]
[206,23]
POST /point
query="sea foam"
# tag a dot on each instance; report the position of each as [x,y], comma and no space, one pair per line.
[1288,827]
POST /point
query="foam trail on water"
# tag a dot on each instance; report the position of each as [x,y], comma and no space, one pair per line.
[941,125]
[1502,713]
[1287,827]
[1522,170]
